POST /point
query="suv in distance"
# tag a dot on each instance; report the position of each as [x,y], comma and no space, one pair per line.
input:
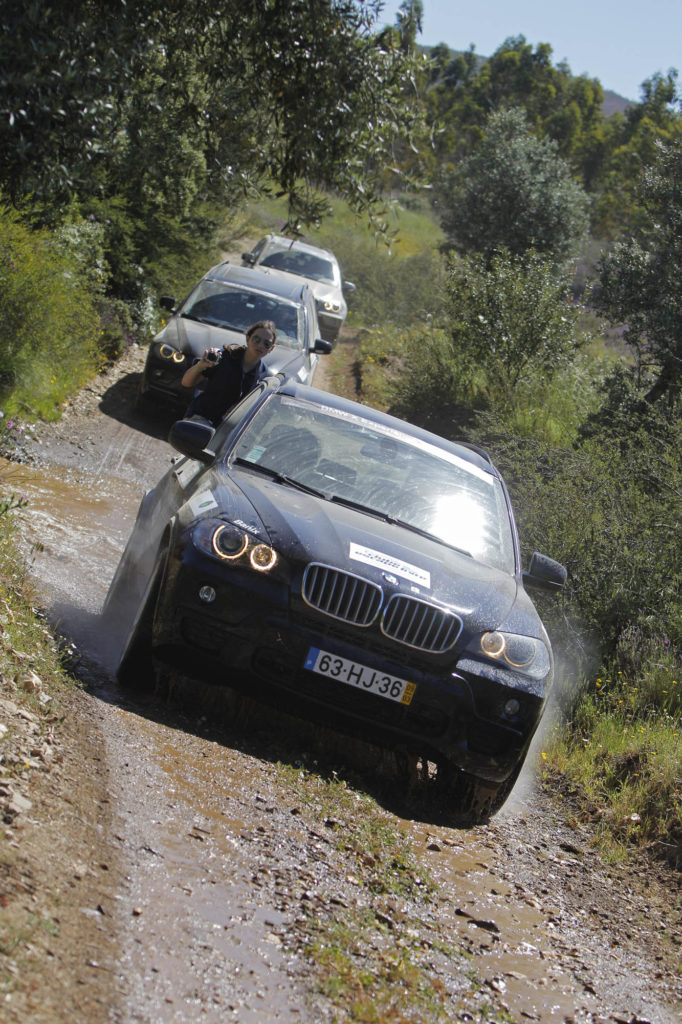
[290,258]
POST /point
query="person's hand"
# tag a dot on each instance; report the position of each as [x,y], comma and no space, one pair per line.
[210,357]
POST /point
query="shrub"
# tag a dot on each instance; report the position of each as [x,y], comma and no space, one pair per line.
[48,344]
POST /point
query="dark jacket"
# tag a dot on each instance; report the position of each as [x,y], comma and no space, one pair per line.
[226,383]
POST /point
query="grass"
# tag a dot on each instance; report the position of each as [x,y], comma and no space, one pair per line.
[621,752]
[412,225]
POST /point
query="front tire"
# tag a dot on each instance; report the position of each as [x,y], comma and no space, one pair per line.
[136,667]
[470,799]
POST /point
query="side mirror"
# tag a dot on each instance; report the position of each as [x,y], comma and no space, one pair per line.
[348,286]
[545,573]
[168,302]
[248,257]
[191,439]
[322,347]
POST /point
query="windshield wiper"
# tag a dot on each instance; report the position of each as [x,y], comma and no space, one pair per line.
[282,478]
[359,507]
[427,534]
[206,320]
[394,521]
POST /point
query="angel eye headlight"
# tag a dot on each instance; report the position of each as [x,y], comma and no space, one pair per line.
[229,542]
[166,351]
[492,644]
[331,306]
[524,653]
[263,557]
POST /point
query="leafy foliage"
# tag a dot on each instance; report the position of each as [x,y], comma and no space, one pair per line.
[48,345]
[167,103]
[605,153]
[508,325]
[641,278]
[514,192]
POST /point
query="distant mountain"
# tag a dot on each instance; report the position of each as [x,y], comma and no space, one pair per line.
[613,103]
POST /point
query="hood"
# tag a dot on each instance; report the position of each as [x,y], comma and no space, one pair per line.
[192,337]
[304,528]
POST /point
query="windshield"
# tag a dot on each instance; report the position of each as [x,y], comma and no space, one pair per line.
[385,472]
[235,309]
[305,264]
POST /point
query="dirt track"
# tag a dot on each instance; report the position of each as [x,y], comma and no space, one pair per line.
[183,866]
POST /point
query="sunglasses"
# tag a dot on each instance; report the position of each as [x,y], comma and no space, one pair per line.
[267,343]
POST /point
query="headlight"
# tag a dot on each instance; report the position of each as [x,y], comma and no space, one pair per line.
[227,542]
[524,654]
[167,351]
[332,307]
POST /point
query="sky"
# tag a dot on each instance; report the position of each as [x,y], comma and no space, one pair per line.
[620,42]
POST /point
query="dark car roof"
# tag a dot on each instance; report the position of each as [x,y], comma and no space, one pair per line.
[259,280]
[472,454]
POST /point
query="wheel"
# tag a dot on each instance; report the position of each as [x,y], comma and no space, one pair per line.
[136,667]
[470,799]
[143,401]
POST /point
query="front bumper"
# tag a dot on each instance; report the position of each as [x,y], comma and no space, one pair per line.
[161,379]
[255,636]
[330,324]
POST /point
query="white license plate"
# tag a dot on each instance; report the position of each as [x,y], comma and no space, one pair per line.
[354,674]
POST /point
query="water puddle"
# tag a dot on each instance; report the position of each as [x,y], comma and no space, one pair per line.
[72,531]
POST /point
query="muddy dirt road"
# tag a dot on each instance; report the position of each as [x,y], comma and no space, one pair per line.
[201,870]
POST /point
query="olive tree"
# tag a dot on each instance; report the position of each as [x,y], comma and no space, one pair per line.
[193,98]
[513,192]
[641,279]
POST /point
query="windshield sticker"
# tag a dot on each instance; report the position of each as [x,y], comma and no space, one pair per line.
[202,502]
[254,454]
[387,562]
[397,435]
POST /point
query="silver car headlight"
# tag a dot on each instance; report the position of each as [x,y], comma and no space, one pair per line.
[331,306]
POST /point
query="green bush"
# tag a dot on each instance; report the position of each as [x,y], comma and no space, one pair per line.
[48,345]
[621,748]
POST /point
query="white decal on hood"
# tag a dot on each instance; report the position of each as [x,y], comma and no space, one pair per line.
[383,561]
[202,502]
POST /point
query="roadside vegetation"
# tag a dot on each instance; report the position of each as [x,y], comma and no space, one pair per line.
[517,258]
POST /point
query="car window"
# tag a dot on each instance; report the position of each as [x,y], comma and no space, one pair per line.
[302,263]
[235,309]
[386,471]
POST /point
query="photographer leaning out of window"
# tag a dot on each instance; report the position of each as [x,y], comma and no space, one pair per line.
[226,375]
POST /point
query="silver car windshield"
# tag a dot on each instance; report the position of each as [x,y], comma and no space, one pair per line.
[382,471]
[305,264]
[235,309]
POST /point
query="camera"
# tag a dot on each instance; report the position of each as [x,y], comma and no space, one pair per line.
[213,357]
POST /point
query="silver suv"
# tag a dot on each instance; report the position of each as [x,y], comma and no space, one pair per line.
[290,258]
